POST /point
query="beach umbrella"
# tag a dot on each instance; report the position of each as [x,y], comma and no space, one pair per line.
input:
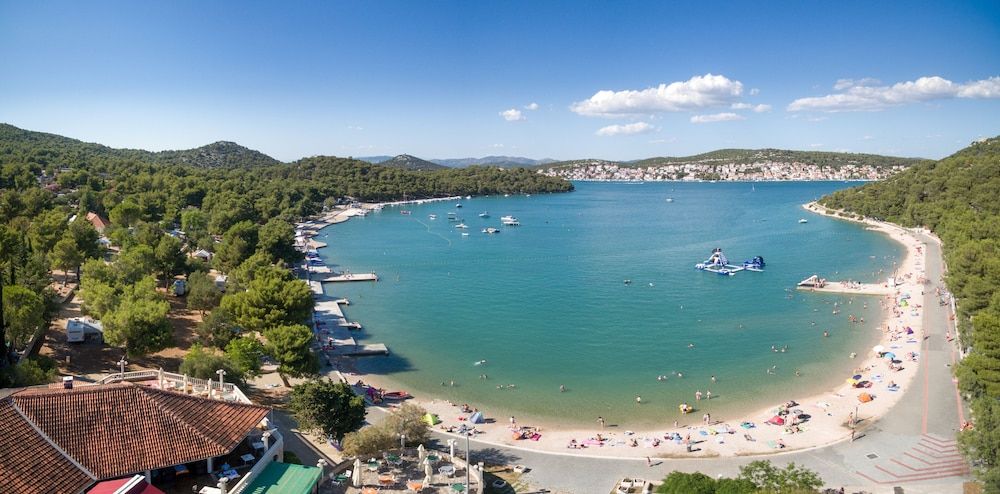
[852,381]
[878,349]
[421,453]
[857,376]
[356,474]
[889,355]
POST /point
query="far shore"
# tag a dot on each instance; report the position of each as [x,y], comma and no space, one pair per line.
[829,411]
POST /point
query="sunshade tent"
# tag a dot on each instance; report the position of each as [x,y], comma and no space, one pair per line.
[431,419]
[477,418]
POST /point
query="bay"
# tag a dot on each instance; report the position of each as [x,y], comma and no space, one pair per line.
[545,303]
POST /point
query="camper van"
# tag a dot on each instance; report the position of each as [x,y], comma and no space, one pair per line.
[79,329]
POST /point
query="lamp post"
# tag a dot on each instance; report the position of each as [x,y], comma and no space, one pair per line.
[220,372]
[468,463]
[402,443]
[451,450]
[121,368]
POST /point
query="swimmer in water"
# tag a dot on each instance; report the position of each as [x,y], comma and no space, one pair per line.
[826,333]
[562,388]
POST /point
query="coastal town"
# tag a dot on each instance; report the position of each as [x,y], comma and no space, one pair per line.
[599,170]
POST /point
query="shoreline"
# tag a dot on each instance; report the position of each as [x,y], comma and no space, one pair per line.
[828,410]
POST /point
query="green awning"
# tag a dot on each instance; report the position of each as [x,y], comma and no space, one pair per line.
[284,478]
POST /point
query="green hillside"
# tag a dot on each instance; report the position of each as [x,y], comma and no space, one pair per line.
[958,198]
[407,162]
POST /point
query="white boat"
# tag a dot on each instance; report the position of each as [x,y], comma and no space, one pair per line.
[670,199]
[491,230]
[509,221]
[433,216]
[465,234]
[484,214]
[803,220]
[458,205]
[468,198]
[461,225]
[506,195]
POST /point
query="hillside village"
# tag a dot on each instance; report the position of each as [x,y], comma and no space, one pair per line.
[598,170]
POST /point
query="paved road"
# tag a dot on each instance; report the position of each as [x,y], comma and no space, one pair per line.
[912,447]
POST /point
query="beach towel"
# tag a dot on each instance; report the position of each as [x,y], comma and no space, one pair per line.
[536,436]
[703,433]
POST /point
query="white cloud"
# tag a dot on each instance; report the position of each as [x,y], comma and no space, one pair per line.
[716,117]
[496,146]
[816,145]
[754,92]
[699,92]
[867,138]
[663,141]
[531,106]
[512,115]
[747,106]
[867,95]
[355,127]
[627,129]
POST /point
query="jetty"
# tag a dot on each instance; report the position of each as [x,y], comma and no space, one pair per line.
[334,277]
[816,284]
[333,330]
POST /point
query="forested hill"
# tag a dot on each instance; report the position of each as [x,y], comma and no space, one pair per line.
[958,198]
[408,162]
[39,170]
[52,149]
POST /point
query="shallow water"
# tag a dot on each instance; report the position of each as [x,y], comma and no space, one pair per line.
[545,304]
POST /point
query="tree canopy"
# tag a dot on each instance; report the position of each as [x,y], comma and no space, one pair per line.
[957,199]
[327,407]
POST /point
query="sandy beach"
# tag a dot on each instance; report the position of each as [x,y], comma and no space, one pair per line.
[809,421]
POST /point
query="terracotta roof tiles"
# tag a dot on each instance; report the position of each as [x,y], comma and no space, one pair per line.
[114,430]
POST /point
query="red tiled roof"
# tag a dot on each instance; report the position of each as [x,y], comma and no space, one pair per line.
[29,464]
[99,222]
[114,430]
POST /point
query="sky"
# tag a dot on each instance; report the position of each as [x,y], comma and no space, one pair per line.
[541,79]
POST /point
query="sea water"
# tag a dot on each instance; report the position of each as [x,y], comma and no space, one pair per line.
[545,304]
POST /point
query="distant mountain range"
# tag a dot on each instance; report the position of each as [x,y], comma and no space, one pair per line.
[504,161]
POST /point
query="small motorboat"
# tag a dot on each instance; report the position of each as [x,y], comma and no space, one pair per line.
[803,220]
[468,198]
[461,225]
[396,395]
[458,205]
[433,216]
[405,212]
[484,214]
[670,199]
[491,230]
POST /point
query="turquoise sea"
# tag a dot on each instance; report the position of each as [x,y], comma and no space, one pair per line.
[545,303]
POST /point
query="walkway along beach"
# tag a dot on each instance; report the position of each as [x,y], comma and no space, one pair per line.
[806,422]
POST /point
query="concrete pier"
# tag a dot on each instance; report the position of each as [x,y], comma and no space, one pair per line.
[332,328]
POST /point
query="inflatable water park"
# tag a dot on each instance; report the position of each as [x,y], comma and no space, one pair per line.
[718,263]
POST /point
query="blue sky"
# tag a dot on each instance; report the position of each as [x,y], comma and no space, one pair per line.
[615,80]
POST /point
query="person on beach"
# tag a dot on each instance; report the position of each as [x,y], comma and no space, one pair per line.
[697,395]
[713,378]
[600,420]
[513,422]
[708,394]
[638,399]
